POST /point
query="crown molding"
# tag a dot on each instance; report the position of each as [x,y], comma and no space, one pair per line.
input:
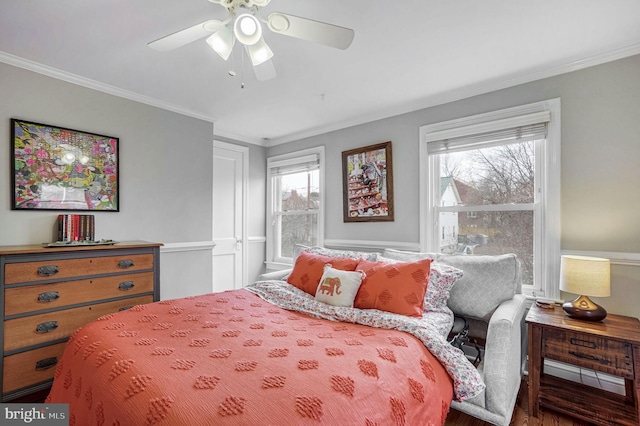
[36,67]
[550,70]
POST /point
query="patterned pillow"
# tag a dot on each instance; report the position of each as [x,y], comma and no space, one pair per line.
[341,254]
[394,287]
[339,288]
[309,267]
[441,280]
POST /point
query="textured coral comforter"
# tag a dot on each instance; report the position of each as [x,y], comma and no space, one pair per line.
[268,354]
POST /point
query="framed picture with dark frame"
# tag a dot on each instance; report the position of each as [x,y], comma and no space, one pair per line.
[367,184]
[55,168]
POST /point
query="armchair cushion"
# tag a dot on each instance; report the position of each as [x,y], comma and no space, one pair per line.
[487,282]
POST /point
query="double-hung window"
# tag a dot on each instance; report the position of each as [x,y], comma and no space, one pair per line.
[491,185]
[295,204]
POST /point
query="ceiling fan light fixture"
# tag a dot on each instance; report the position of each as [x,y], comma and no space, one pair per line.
[261,3]
[259,52]
[247,29]
[222,42]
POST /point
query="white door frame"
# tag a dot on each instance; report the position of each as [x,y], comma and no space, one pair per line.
[245,189]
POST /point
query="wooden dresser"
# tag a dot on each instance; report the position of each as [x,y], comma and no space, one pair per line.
[48,293]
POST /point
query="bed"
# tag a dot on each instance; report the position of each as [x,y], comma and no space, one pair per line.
[266,354]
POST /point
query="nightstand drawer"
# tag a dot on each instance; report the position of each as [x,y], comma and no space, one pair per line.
[589,351]
[28,368]
[42,328]
[25,272]
[47,296]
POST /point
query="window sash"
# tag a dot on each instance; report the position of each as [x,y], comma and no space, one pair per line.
[278,167]
[547,195]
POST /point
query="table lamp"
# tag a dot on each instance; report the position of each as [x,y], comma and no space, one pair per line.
[586,276]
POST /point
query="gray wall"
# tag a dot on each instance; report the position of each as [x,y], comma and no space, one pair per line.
[600,165]
[165,174]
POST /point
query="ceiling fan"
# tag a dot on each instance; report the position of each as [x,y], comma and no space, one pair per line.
[245,25]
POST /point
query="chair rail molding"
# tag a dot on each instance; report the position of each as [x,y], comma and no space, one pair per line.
[370,245]
[187,246]
[616,258]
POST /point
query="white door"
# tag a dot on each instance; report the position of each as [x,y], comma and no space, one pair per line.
[230,174]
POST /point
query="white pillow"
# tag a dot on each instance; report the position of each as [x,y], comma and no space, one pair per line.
[339,288]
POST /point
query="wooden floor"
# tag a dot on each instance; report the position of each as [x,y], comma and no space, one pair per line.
[520,415]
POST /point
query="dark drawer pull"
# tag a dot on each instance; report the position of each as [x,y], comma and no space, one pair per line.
[47,271]
[124,308]
[589,357]
[126,285]
[49,296]
[46,363]
[46,327]
[583,343]
[124,264]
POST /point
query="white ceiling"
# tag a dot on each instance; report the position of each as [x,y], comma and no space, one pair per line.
[407,54]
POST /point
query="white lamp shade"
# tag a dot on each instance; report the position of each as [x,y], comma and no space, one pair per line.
[222,42]
[588,276]
[259,52]
[247,29]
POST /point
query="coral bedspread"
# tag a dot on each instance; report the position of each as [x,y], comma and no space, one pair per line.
[236,358]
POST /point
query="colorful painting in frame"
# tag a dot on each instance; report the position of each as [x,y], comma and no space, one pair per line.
[54,168]
[367,184]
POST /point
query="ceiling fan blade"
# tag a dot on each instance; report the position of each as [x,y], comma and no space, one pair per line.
[265,71]
[186,36]
[310,30]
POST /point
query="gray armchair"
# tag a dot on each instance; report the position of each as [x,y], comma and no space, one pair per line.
[489,296]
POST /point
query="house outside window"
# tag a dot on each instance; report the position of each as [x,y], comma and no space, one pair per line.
[295,204]
[504,169]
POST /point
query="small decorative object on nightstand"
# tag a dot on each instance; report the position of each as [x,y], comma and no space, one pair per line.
[586,276]
[611,346]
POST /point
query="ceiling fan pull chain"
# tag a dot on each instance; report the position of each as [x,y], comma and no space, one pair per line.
[242,70]
[232,71]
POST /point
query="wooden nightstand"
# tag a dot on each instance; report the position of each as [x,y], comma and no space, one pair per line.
[611,346]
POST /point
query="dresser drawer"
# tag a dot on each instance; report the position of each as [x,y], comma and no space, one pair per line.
[46,296]
[589,351]
[67,268]
[42,328]
[28,368]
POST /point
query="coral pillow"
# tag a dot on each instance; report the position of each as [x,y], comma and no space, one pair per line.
[309,268]
[394,287]
[339,288]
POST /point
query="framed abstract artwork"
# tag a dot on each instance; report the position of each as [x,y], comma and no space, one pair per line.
[367,184]
[54,168]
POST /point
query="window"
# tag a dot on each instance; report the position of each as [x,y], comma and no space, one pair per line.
[491,185]
[295,203]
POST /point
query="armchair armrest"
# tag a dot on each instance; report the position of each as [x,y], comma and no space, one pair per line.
[504,352]
[275,275]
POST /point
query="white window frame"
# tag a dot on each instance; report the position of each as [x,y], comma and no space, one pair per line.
[547,204]
[274,262]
